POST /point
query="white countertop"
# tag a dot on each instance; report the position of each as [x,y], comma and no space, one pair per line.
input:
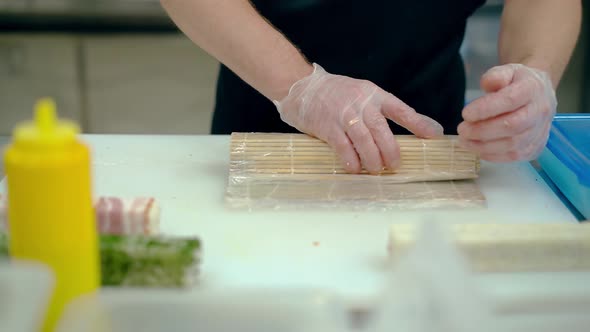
[335,250]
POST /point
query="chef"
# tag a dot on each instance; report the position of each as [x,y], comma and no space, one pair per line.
[354,73]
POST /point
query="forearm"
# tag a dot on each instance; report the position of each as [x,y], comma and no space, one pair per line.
[234,33]
[540,34]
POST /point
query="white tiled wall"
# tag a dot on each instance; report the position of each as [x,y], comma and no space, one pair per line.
[32,66]
[161,84]
[148,84]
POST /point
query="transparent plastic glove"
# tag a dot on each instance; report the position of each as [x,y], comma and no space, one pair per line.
[512,121]
[350,115]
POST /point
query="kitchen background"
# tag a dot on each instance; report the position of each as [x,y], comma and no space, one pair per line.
[121,66]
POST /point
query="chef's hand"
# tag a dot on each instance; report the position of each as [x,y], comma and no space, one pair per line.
[350,115]
[512,121]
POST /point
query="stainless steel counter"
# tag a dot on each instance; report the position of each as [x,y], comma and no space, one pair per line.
[100,8]
[104,15]
[78,15]
[104,8]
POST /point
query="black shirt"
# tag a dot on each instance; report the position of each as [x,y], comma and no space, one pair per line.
[408,48]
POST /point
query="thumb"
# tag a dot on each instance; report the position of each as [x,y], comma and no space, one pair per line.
[405,116]
[497,78]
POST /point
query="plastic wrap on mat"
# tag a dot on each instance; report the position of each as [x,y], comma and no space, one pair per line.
[140,261]
[511,247]
[117,216]
[294,170]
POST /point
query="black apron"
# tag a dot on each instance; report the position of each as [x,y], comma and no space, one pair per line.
[408,48]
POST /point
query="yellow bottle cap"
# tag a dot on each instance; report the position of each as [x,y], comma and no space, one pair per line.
[46,129]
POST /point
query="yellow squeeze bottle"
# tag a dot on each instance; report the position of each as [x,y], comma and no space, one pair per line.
[50,211]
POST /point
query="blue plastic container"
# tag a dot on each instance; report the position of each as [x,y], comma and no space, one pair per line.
[566,159]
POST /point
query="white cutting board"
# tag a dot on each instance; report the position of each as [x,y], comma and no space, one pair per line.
[336,250]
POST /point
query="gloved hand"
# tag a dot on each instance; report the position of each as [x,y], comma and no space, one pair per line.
[350,115]
[512,121]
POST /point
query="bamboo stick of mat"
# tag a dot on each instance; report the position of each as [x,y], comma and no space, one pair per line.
[269,154]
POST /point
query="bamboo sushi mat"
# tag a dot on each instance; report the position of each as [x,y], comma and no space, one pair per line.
[296,170]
